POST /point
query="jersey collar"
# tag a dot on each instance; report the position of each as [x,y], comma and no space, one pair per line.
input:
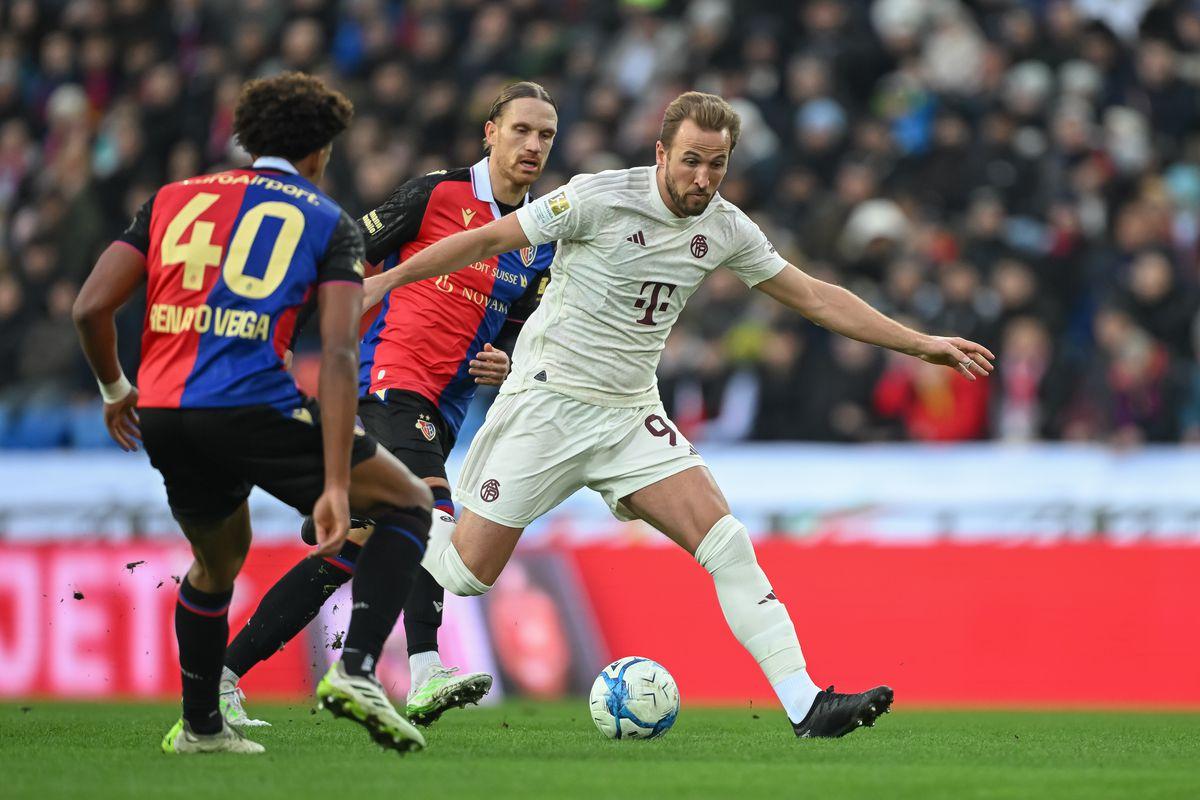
[481,185]
[274,162]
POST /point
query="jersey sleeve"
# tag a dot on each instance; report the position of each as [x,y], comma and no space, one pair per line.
[137,235]
[343,259]
[754,258]
[398,220]
[568,212]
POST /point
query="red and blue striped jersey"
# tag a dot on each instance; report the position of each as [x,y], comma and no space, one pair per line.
[230,259]
[423,335]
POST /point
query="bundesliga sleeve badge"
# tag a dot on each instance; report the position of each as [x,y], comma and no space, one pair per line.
[549,208]
[559,204]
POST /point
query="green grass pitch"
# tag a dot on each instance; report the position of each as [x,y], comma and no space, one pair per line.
[522,750]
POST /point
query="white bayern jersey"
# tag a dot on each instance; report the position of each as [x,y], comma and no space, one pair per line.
[624,269]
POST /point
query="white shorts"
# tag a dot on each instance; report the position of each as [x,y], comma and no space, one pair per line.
[537,447]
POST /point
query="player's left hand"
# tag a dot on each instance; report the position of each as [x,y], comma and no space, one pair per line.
[966,357]
[331,517]
[121,419]
[374,289]
[490,367]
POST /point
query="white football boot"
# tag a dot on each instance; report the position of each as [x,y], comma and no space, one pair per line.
[363,700]
[229,699]
[180,740]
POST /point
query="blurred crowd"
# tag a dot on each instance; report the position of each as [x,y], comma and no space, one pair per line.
[1023,173]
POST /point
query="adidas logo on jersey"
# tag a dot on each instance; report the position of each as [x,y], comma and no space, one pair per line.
[637,238]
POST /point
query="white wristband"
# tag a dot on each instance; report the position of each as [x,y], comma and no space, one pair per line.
[116,391]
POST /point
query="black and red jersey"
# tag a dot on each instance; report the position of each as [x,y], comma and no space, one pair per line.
[230,260]
[423,335]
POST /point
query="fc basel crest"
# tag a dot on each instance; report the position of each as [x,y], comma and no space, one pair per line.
[528,254]
[426,428]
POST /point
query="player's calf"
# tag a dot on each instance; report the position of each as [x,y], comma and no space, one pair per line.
[435,688]
[382,583]
[755,615]
[202,614]
[284,611]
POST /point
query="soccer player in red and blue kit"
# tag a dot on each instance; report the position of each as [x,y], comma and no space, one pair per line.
[228,260]
[425,349]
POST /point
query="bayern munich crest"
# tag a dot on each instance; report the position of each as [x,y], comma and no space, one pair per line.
[427,429]
[528,254]
[699,246]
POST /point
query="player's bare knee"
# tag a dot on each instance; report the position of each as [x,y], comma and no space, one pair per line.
[445,563]
[484,572]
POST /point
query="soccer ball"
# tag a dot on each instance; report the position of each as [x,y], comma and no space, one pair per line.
[634,698]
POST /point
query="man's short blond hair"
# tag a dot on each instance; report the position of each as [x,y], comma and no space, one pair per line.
[709,112]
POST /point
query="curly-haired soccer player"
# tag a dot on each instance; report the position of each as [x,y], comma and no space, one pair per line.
[228,260]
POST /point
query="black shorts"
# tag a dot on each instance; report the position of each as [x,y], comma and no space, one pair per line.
[411,428]
[210,458]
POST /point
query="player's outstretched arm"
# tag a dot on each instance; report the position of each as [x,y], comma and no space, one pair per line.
[843,312]
[338,304]
[118,272]
[449,255]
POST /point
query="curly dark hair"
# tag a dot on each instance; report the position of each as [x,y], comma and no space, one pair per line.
[289,115]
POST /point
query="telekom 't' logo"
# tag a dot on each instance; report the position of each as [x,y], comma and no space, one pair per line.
[655,290]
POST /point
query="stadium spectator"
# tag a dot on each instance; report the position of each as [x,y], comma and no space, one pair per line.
[1013,165]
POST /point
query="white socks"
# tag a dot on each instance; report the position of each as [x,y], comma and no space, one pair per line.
[445,564]
[421,664]
[796,692]
[756,617]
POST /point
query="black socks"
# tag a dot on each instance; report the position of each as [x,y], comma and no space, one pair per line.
[288,606]
[202,628]
[382,583]
[423,611]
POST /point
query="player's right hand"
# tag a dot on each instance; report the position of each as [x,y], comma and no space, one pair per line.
[490,366]
[122,421]
[331,517]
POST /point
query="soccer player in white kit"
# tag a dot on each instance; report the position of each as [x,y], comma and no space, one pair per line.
[581,407]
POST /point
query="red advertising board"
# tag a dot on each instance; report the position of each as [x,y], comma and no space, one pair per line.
[95,620]
[1086,624]
[1072,624]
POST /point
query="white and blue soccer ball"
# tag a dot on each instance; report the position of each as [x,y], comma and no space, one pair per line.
[634,698]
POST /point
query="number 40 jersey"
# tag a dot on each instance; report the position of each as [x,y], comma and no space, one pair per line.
[230,260]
